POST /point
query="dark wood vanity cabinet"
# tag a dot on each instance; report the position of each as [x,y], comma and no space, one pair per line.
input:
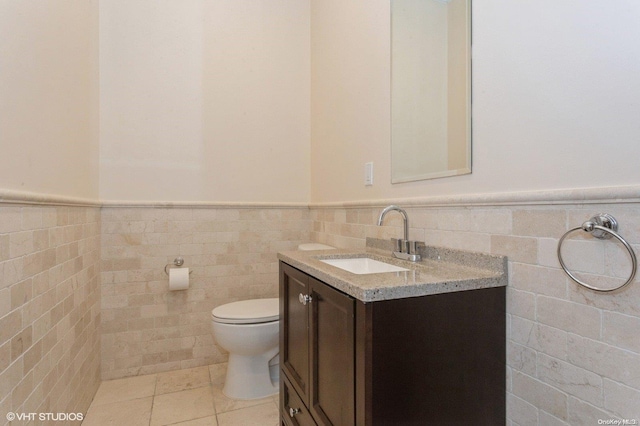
[316,350]
[428,360]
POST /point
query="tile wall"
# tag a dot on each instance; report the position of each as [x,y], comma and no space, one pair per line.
[49,309]
[232,252]
[573,354]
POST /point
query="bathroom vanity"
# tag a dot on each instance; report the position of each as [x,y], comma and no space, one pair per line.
[416,347]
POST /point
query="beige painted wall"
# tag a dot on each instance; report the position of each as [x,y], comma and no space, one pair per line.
[49,97]
[554,89]
[210,102]
[204,101]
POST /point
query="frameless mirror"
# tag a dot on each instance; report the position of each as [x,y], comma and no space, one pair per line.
[430,89]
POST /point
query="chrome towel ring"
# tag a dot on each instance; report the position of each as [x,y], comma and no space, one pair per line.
[602,226]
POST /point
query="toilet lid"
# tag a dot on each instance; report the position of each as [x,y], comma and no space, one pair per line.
[253,311]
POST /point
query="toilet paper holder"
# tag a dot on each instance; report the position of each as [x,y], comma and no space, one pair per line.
[178,262]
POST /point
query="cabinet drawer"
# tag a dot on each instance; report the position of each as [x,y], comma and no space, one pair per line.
[292,404]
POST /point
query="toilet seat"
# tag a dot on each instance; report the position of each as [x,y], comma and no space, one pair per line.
[254,311]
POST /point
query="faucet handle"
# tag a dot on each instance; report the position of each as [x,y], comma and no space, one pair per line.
[407,250]
[400,246]
[412,247]
[415,246]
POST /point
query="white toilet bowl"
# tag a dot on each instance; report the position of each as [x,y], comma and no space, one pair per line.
[248,330]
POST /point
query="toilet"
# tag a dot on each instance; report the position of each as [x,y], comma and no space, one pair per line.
[249,331]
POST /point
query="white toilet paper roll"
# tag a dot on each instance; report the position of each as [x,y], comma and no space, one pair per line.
[178,278]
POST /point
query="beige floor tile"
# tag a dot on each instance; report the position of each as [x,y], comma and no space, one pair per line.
[182,406]
[135,412]
[205,421]
[218,373]
[223,403]
[125,389]
[259,415]
[174,381]
[183,398]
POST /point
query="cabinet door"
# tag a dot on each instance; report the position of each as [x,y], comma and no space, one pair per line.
[294,329]
[332,356]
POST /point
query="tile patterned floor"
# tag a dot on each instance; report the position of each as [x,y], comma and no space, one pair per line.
[191,397]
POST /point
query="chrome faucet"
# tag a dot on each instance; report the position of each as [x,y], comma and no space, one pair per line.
[405,249]
[392,207]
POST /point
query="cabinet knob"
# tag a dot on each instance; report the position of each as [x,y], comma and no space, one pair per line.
[304,298]
[293,411]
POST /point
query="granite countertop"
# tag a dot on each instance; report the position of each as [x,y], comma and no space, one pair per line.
[440,271]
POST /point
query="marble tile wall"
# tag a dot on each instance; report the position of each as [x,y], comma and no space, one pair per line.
[573,355]
[49,309]
[148,329]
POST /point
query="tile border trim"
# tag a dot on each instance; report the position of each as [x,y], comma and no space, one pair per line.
[24,198]
[204,204]
[12,197]
[600,195]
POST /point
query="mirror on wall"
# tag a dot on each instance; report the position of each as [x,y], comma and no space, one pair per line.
[430,89]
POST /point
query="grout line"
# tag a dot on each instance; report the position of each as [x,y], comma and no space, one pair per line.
[153,398]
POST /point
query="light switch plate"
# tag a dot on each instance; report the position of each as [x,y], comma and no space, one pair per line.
[368,174]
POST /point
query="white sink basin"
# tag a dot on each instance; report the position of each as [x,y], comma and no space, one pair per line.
[363,265]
